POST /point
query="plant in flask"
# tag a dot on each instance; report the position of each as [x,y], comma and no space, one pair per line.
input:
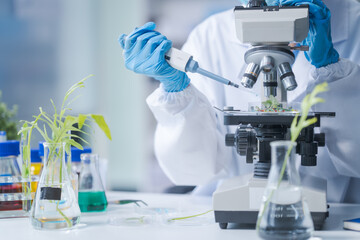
[284,213]
[55,205]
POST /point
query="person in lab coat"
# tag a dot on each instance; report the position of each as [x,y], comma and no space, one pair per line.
[189,139]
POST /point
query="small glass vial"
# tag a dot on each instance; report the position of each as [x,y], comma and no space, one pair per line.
[92,196]
[10,176]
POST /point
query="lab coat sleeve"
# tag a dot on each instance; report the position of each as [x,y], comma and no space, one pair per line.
[343,131]
[189,138]
[186,138]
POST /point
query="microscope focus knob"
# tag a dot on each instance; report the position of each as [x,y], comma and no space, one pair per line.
[308,153]
[308,161]
[308,149]
[246,142]
[320,139]
[230,140]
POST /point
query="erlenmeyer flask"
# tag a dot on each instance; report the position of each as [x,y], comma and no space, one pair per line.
[55,205]
[92,196]
[284,214]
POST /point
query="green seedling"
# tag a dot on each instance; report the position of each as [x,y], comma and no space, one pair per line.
[58,128]
[273,105]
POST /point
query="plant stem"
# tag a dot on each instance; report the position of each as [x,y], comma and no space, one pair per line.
[63,215]
[282,172]
[140,219]
[192,216]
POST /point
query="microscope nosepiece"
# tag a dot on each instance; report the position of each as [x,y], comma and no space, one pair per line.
[287,76]
[267,64]
[251,75]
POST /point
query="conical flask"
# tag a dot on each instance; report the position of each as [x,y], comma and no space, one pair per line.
[284,214]
[55,205]
[92,196]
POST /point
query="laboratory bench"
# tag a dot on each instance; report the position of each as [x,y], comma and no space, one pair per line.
[130,222]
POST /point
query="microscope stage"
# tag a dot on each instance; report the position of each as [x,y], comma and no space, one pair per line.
[268,118]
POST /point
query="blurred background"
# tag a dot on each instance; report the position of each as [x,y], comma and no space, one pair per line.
[47,46]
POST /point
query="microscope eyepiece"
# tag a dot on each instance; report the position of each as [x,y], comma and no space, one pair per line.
[251,75]
[287,76]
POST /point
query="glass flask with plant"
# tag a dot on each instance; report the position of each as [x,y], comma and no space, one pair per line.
[284,213]
[55,205]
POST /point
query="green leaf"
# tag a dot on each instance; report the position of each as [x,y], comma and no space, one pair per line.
[100,121]
[73,143]
[309,122]
[70,121]
[53,104]
[78,137]
[316,100]
[323,87]
[25,152]
[47,139]
[308,101]
[82,119]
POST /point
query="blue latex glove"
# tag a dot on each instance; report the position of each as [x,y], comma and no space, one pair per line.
[144,52]
[321,50]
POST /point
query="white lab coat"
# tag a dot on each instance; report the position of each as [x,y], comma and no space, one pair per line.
[190,135]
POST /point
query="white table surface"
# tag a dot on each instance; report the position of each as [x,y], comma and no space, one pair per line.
[97,226]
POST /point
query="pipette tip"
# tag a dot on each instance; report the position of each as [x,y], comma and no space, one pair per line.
[233,84]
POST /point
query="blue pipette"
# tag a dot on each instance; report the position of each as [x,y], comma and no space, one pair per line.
[184,62]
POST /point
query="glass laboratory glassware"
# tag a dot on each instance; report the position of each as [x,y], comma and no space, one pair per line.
[76,160]
[92,196]
[284,214]
[55,205]
[10,178]
[74,170]
[36,167]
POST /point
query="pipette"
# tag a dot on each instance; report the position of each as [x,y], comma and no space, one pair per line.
[184,62]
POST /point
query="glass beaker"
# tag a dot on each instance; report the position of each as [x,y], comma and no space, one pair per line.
[284,214]
[92,196]
[10,177]
[55,205]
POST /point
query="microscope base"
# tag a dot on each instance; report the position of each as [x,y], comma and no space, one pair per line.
[238,201]
[248,218]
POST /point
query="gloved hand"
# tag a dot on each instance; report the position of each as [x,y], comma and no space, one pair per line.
[321,50]
[144,52]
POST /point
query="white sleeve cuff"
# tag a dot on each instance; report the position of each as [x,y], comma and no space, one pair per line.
[333,72]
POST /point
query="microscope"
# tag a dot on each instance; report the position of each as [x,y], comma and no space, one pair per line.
[270,30]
